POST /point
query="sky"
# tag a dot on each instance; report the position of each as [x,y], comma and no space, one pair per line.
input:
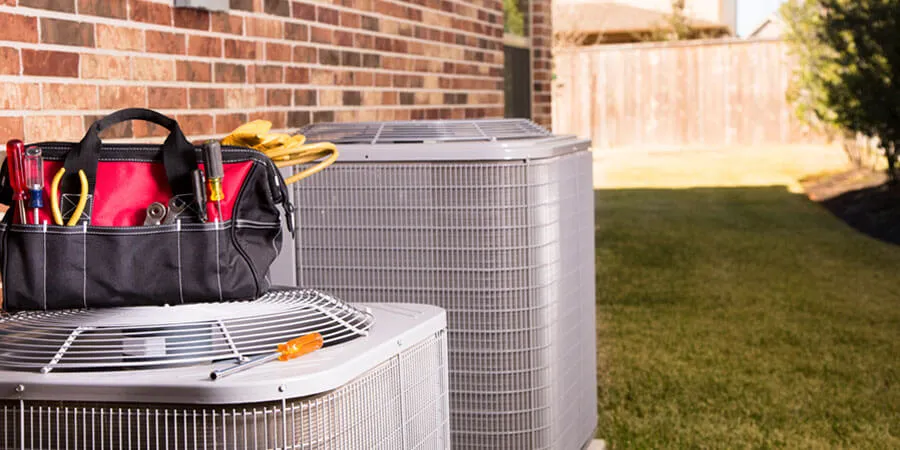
[750,13]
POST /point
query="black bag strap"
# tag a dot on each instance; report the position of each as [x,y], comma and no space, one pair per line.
[179,156]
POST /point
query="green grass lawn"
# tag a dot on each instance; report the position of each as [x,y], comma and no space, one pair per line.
[743,318]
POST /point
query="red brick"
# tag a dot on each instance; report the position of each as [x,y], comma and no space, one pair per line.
[225,23]
[67,32]
[240,49]
[350,19]
[151,69]
[193,71]
[105,67]
[119,38]
[118,131]
[204,46]
[118,97]
[277,7]
[263,27]
[230,73]
[226,123]
[343,38]
[14,27]
[49,63]
[327,15]
[195,19]
[321,35]
[158,13]
[303,10]
[9,61]
[143,129]
[242,5]
[55,5]
[69,96]
[11,128]
[193,124]
[276,117]
[296,75]
[163,42]
[20,96]
[53,128]
[167,98]
[278,97]
[298,119]
[240,98]
[303,54]
[296,31]
[207,98]
[269,74]
[116,9]
[304,97]
[278,52]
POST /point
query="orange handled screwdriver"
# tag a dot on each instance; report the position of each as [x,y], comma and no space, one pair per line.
[289,350]
[212,162]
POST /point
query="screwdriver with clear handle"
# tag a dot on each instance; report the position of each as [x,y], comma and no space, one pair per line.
[34,180]
[289,350]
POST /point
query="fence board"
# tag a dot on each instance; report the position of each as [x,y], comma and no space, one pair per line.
[699,93]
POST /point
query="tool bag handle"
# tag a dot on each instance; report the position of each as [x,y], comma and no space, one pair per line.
[178,155]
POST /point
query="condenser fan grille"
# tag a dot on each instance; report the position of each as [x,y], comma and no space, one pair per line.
[423,131]
[150,337]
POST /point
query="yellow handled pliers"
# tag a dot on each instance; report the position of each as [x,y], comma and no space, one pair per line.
[54,198]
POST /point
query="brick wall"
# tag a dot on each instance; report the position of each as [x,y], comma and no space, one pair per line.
[63,63]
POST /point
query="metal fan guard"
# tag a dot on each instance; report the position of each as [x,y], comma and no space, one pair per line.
[146,337]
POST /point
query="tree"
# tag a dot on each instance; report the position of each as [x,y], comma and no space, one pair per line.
[678,26]
[513,18]
[848,73]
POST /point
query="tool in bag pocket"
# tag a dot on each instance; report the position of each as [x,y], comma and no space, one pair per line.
[125,224]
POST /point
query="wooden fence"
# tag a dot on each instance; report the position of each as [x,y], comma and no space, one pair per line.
[700,93]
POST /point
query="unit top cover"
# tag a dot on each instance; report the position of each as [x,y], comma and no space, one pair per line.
[443,140]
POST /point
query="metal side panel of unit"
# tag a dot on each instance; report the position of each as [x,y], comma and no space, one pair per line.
[505,246]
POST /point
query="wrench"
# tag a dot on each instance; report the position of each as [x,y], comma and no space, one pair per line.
[176,207]
[155,214]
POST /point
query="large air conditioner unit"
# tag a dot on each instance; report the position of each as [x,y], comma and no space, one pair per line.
[139,378]
[491,220]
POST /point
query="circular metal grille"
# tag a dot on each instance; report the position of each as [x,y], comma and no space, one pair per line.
[145,337]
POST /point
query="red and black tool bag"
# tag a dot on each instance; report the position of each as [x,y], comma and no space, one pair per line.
[109,258]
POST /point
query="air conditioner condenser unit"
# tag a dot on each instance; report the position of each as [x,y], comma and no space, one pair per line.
[139,378]
[491,220]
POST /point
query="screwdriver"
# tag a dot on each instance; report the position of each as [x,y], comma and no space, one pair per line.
[212,159]
[289,350]
[199,182]
[34,179]
[15,153]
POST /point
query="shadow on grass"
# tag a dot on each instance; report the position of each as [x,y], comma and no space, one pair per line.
[874,211]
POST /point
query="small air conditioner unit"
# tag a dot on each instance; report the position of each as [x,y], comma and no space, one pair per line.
[490,219]
[139,378]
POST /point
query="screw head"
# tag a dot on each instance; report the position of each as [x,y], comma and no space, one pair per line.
[282,388]
[20,388]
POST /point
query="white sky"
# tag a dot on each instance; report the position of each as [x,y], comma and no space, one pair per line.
[751,13]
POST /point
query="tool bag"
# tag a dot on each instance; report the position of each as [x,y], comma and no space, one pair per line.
[111,258]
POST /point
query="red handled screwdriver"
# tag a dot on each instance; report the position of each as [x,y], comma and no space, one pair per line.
[15,156]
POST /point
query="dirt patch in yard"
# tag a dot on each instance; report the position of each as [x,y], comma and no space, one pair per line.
[861,198]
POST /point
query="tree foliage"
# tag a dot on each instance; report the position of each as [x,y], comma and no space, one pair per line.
[513,18]
[848,73]
[677,26]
